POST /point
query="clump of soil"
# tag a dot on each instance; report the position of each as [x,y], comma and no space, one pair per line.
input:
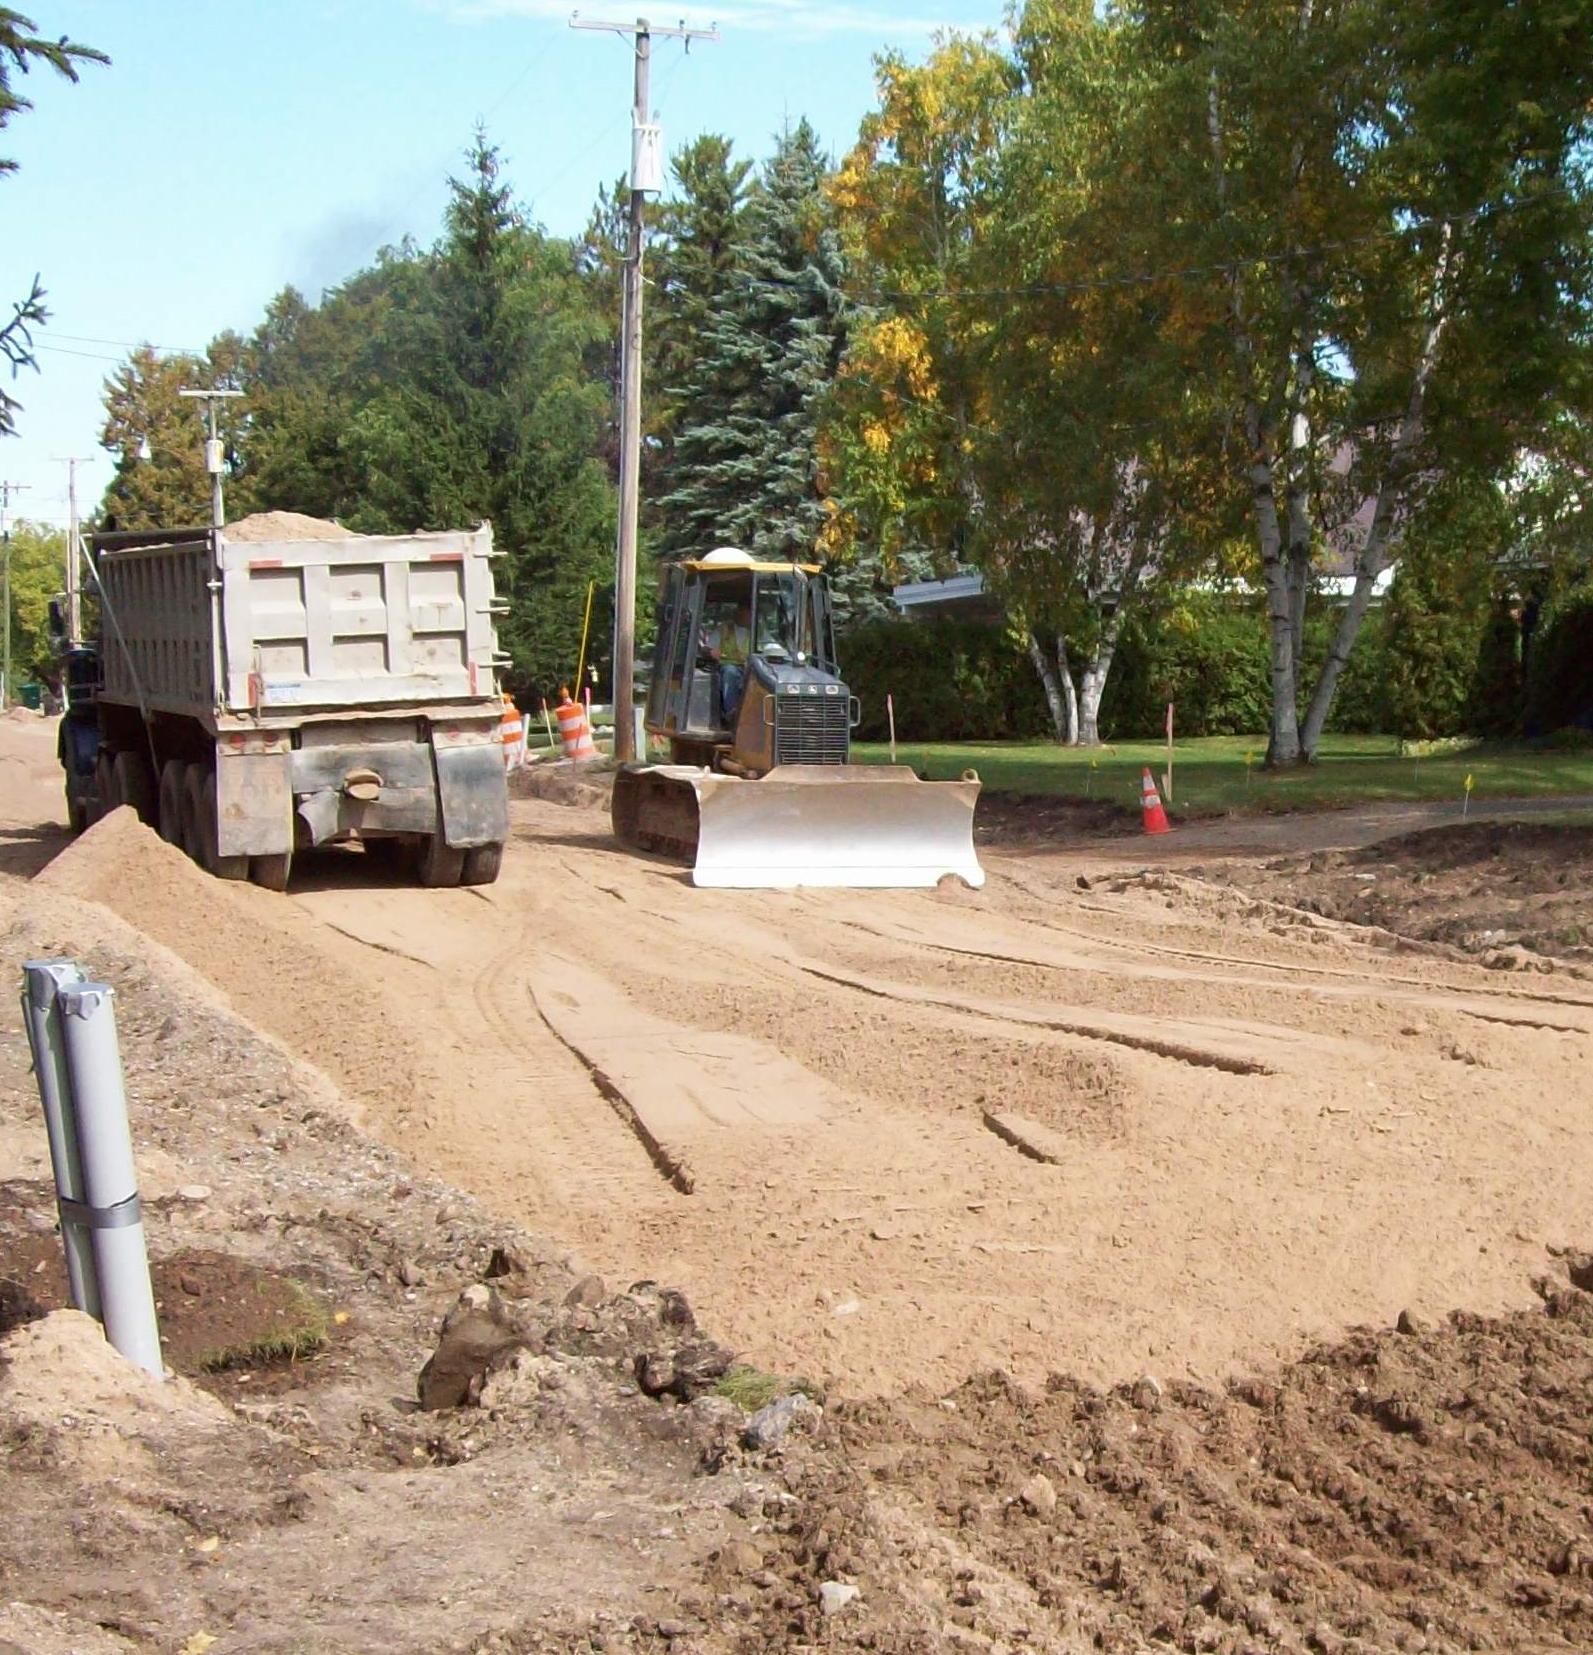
[1488,888]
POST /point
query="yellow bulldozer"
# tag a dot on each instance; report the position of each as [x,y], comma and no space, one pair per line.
[760,791]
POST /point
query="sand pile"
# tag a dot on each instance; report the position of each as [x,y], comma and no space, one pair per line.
[286,525]
[62,1371]
[127,867]
[279,969]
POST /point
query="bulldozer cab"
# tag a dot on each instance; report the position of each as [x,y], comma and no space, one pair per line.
[726,610]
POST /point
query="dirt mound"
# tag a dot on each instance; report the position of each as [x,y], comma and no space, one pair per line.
[61,1371]
[280,970]
[119,854]
[1489,888]
[1408,1490]
[565,782]
[1029,820]
[287,525]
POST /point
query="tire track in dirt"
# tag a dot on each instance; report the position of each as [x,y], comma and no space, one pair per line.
[1190,1217]
[994,1010]
[1407,991]
[591,1159]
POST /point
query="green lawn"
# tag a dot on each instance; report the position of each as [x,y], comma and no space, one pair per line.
[1210,775]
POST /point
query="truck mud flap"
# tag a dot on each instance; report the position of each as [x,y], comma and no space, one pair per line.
[254,803]
[834,825]
[474,794]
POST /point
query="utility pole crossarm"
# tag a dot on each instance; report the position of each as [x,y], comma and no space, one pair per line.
[642,26]
[646,177]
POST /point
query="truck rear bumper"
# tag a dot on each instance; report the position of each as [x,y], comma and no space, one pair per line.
[453,783]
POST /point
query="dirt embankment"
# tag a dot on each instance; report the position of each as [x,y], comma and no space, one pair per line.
[283,1492]
[1486,888]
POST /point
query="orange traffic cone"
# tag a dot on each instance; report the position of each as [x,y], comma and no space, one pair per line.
[1155,817]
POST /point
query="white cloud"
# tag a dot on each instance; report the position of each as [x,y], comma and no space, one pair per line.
[788,17]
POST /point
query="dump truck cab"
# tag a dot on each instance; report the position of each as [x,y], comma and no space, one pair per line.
[78,734]
[773,622]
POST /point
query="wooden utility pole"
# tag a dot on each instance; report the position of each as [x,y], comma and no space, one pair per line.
[647,178]
[6,491]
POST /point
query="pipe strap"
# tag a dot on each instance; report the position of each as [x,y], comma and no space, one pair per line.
[121,1216]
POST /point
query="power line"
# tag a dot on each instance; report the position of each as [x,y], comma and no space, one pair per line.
[131,344]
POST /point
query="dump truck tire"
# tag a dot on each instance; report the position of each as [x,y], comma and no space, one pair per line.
[483,864]
[438,863]
[169,803]
[135,785]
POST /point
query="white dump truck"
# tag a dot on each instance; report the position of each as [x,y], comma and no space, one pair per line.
[280,684]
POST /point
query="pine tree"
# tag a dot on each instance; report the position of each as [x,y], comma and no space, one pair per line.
[746,470]
[691,262]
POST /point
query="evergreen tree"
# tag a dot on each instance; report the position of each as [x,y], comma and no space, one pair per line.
[692,260]
[745,470]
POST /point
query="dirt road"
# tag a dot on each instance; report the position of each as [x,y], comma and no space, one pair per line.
[1004,1168]
[885,1137]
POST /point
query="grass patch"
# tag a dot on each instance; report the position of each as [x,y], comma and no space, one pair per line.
[751,1388]
[1212,778]
[294,1331]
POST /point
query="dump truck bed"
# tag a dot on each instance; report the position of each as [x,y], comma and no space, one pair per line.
[218,627]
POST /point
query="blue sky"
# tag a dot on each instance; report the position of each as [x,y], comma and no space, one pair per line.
[235,146]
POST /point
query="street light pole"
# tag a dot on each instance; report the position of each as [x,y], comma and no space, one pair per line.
[74,591]
[215,455]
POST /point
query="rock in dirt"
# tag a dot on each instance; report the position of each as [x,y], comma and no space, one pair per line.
[770,1426]
[685,1372]
[476,1333]
[836,1595]
[1147,1393]
[1038,1495]
[588,1291]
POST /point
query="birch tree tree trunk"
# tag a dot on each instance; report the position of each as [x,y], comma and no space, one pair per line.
[1375,553]
[1092,682]
[1070,695]
[1283,738]
[1062,720]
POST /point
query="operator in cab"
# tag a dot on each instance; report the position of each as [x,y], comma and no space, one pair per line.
[726,644]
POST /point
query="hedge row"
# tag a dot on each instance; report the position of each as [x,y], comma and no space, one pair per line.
[1420,670]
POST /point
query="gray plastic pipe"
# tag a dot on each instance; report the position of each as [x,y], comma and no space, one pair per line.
[110,1183]
[41,981]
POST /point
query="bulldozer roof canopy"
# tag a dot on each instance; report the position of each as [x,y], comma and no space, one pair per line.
[751,567]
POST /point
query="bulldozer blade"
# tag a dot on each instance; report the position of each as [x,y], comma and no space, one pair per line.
[834,825]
